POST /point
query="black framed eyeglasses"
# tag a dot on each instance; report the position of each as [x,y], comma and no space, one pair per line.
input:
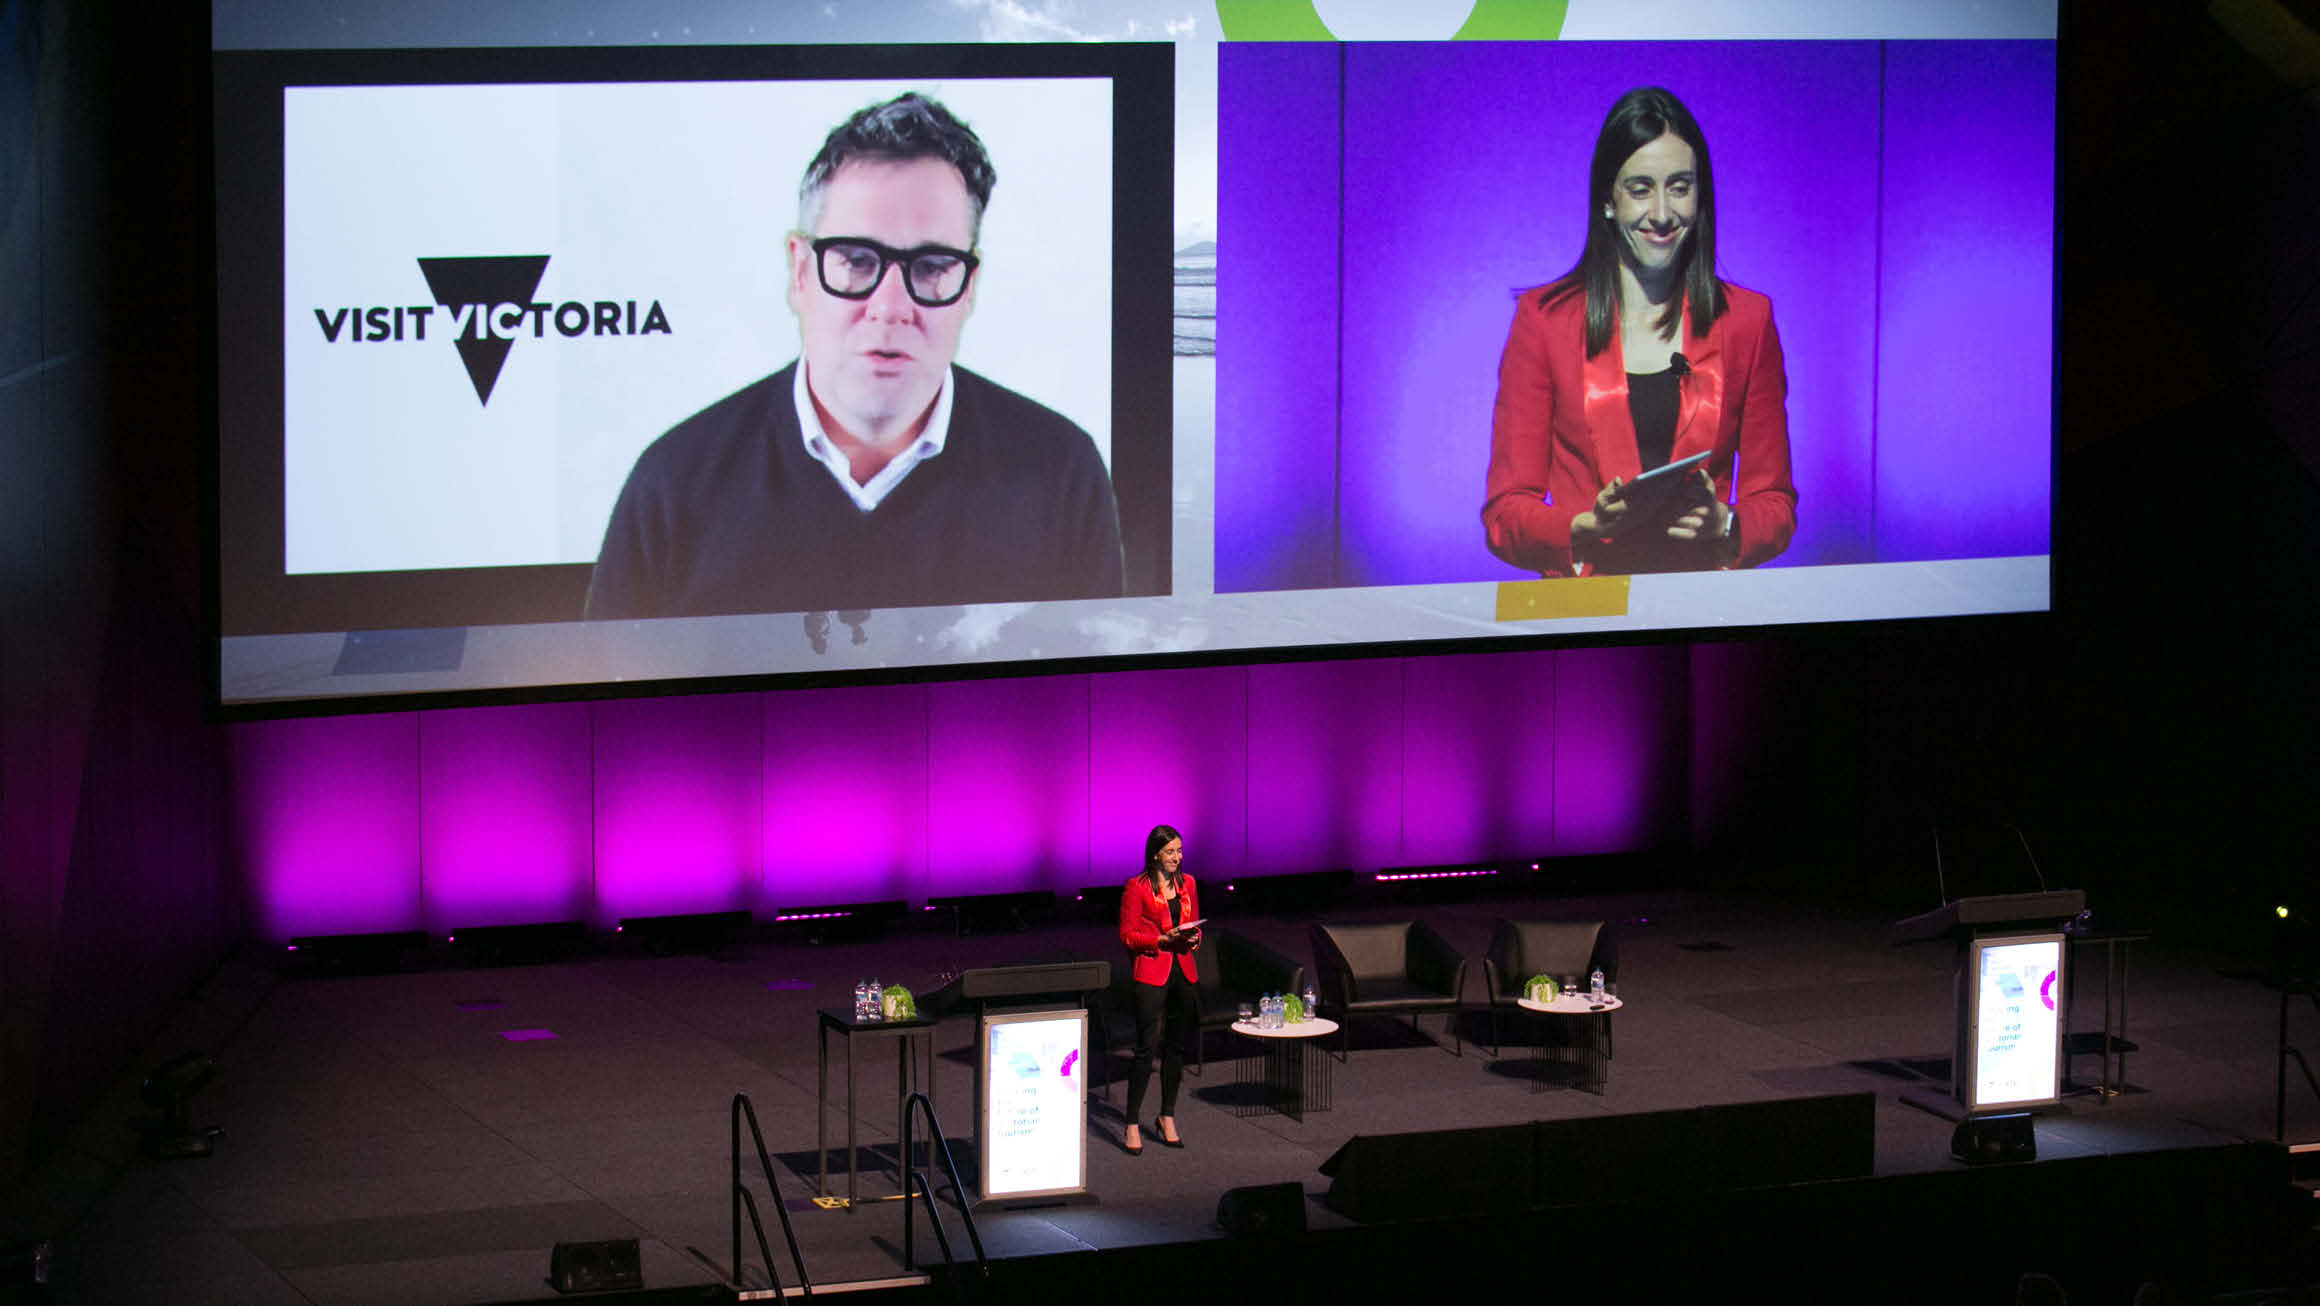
[852,266]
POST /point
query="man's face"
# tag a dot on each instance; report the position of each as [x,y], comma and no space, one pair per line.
[1654,201]
[874,365]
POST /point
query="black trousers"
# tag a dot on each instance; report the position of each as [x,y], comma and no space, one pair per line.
[1165,1013]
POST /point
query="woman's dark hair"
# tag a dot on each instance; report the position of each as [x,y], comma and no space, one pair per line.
[1159,838]
[1638,118]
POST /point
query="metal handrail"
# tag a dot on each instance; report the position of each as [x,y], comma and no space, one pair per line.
[924,1191]
[741,1195]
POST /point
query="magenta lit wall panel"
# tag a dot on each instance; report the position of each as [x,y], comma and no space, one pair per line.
[505,825]
[1007,786]
[1171,747]
[1325,765]
[845,796]
[327,812]
[678,788]
[802,798]
[1620,749]
[1478,756]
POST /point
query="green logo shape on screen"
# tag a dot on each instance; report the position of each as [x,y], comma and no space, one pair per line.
[1299,20]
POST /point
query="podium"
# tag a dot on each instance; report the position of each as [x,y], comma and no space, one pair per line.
[2009,998]
[1031,1073]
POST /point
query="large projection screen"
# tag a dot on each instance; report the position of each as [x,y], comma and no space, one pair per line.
[510,314]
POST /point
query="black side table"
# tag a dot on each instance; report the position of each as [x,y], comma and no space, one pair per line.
[843,1020]
[2113,1039]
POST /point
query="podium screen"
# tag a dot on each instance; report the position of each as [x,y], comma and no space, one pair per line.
[2016,1022]
[1032,1120]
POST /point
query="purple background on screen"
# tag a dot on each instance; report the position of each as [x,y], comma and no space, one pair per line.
[1463,178]
[512,815]
[1969,260]
[1276,316]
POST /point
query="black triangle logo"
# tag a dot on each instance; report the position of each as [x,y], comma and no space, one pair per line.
[484,282]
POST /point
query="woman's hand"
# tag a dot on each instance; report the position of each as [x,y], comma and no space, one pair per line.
[1601,521]
[1708,520]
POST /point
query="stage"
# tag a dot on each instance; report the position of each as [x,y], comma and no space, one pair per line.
[386,1140]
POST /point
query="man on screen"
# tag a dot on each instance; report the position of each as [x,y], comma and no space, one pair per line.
[871,472]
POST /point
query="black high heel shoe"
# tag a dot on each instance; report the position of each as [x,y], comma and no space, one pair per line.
[1137,1150]
[1161,1137]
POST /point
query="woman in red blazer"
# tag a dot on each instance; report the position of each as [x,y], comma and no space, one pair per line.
[1638,357]
[1154,910]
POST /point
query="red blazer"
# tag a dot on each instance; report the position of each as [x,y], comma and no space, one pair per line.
[1561,428]
[1144,918]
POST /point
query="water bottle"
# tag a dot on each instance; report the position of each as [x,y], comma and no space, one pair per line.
[877,999]
[1312,1004]
[861,998]
[1272,1018]
[1595,987]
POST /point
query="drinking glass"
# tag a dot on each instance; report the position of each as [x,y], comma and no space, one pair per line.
[1248,1013]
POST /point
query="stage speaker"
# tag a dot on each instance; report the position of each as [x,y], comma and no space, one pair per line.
[1437,1172]
[1707,1148]
[596,1267]
[1979,1140]
[1262,1210]
[1594,1159]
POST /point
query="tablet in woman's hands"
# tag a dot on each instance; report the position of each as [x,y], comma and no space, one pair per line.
[1663,493]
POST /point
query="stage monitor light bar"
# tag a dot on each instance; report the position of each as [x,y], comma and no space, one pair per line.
[882,910]
[1434,873]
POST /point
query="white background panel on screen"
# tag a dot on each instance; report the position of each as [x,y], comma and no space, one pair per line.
[677,194]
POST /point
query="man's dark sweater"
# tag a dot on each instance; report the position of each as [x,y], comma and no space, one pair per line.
[729,513]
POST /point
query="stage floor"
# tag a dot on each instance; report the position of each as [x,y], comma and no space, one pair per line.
[384,1142]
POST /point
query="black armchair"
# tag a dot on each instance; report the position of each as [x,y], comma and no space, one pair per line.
[1395,968]
[1521,949]
[1234,969]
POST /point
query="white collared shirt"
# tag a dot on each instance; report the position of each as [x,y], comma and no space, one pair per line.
[823,450]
